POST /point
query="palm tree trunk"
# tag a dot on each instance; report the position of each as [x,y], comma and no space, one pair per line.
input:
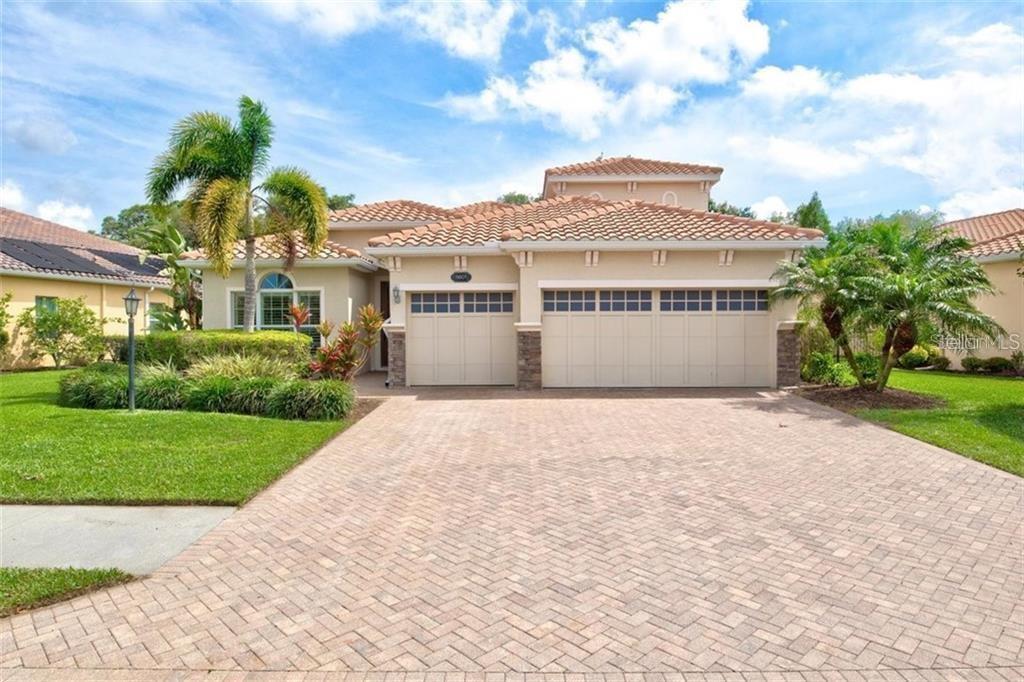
[851,360]
[250,270]
[886,365]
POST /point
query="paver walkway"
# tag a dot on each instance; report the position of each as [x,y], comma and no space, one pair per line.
[615,533]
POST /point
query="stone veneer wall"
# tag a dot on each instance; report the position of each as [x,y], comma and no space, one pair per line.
[396,359]
[787,372]
[528,367]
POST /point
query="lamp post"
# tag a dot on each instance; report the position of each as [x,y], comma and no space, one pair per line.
[131,307]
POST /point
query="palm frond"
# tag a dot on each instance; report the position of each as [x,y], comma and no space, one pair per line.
[184,157]
[219,220]
[256,128]
[293,194]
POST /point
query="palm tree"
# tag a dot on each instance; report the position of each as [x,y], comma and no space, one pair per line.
[925,279]
[227,200]
[823,279]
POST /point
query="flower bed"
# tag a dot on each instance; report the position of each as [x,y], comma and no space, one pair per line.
[161,387]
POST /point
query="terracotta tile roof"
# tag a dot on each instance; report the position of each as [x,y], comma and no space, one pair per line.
[573,218]
[629,165]
[479,207]
[644,221]
[993,234]
[278,247]
[1008,243]
[398,210]
[478,229]
[33,245]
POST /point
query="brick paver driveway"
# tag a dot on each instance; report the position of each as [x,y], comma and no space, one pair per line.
[572,533]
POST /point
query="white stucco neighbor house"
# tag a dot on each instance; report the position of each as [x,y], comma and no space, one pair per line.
[617,277]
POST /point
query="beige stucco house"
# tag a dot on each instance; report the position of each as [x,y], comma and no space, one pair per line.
[998,242]
[617,277]
[41,261]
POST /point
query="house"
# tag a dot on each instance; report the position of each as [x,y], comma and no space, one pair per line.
[617,276]
[41,261]
[998,243]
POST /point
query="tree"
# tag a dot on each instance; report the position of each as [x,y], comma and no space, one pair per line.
[921,278]
[517,198]
[825,278]
[728,209]
[227,200]
[337,202]
[5,319]
[165,241]
[812,214]
[133,224]
[68,331]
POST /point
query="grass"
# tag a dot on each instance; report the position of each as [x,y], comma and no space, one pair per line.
[51,454]
[26,588]
[983,417]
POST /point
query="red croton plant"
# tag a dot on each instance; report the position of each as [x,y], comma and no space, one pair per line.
[345,354]
[300,316]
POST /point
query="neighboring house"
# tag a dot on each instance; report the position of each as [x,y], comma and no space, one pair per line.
[617,277]
[998,242]
[41,261]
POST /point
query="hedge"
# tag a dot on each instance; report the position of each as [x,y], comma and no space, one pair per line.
[182,348]
[105,386]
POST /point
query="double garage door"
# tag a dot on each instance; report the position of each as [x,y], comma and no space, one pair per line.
[595,337]
[650,337]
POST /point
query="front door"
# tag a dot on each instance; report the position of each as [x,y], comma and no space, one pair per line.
[385,311]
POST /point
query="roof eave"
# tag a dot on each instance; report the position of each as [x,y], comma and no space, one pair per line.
[368,266]
[1000,257]
[488,249]
[667,245]
[71,277]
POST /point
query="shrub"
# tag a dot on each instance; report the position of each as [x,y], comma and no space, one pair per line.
[116,347]
[941,362]
[314,400]
[347,353]
[868,363]
[212,394]
[1017,358]
[161,390]
[823,368]
[250,396]
[914,358]
[100,386]
[998,364]
[67,332]
[184,348]
[237,366]
[972,364]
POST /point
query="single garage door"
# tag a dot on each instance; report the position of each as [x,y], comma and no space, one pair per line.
[461,338]
[656,337]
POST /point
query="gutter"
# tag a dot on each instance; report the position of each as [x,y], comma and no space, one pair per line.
[487,249]
[621,245]
[85,280]
[1000,257]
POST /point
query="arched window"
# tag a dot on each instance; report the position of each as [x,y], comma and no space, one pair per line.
[670,199]
[275,280]
[596,195]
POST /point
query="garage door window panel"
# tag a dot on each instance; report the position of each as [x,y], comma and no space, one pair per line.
[741,300]
[625,300]
[569,301]
[686,300]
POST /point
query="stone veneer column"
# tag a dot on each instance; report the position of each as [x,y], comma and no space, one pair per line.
[396,358]
[787,354]
[528,367]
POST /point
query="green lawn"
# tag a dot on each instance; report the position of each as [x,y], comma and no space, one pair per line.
[25,588]
[983,418]
[53,454]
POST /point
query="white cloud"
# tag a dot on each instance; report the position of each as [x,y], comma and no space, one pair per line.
[561,93]
[689,41]
[781,85]
[41,134]
[72,215]
[801,158]
[470,30]
[769,206]
[326,17]
[11,196]
[965,204]
[995,42]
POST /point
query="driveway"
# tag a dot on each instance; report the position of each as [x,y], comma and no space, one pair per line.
[566,532]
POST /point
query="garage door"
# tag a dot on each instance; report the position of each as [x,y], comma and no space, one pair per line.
[656,337]
[461,338]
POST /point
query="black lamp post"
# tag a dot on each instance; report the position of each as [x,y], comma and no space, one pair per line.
[131,307]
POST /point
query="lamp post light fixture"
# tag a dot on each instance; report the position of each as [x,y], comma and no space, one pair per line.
[131,307]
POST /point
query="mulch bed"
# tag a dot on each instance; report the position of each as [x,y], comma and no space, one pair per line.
[363,407]
[850,399]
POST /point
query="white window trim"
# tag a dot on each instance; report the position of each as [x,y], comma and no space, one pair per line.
[596,195]
[230,311]
[675,198]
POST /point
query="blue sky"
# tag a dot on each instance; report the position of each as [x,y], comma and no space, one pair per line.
[876,106]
